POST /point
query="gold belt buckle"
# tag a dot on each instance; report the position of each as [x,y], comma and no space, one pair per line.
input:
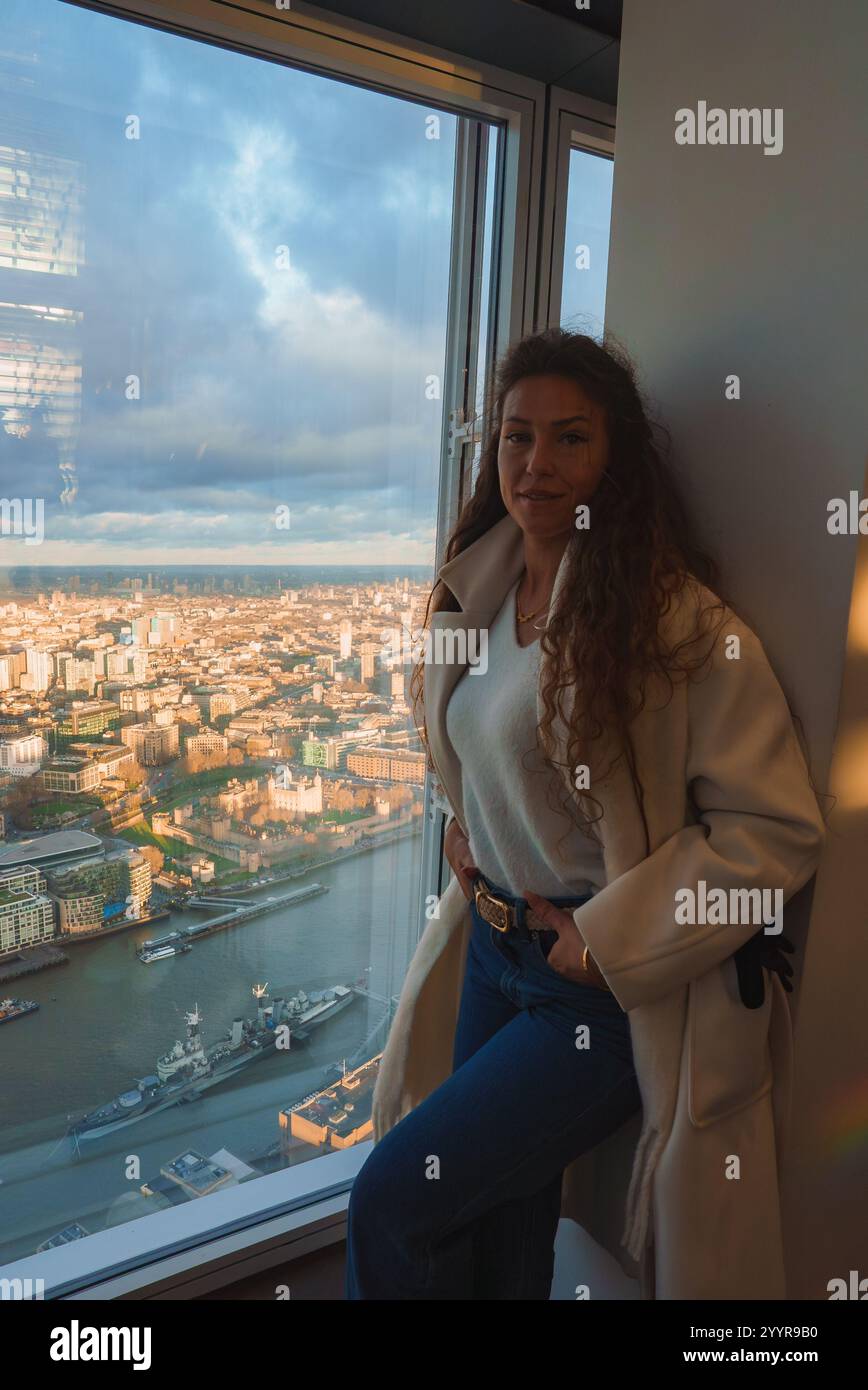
[500,909]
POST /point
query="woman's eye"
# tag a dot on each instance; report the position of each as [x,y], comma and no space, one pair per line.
[571,438]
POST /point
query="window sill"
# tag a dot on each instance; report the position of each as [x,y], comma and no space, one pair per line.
[211,1242]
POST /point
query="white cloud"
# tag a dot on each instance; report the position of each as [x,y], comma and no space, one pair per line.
[333,327]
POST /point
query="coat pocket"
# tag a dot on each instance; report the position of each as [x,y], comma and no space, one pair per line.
[729,1063]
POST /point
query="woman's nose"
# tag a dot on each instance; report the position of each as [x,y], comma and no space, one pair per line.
[538,463]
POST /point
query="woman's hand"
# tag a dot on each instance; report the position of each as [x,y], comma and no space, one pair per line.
[565,957]
[456,847]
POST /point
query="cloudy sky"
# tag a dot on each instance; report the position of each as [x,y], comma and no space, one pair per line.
[269,379]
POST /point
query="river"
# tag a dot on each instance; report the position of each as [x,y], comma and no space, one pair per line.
[105,1018]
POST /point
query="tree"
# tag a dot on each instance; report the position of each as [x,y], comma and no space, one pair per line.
[22,798]
[155,858]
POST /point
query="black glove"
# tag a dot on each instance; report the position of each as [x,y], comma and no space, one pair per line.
[762,952]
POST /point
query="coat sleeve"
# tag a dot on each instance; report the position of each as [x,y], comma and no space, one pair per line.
[759,826]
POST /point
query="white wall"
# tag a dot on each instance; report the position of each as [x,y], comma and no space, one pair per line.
[726,260]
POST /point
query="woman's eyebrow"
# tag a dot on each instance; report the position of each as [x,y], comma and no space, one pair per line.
[518,420]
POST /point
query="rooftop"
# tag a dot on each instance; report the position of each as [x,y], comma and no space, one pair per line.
[63,843]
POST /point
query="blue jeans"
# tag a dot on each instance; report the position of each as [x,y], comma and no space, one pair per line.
[461,1199]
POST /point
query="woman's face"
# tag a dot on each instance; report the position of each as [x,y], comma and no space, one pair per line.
[554,446]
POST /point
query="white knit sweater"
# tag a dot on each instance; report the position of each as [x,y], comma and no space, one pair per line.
[516,838]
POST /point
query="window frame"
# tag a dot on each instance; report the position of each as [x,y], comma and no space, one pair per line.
[259,1224]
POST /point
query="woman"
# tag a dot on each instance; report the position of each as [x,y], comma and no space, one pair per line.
[621,756]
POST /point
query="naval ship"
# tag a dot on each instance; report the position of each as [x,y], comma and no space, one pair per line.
[189,1067]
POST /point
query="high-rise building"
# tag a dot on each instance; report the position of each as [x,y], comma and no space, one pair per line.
[139,664]
[60,659]
[116,663]
[13,665]
[40,346]
[22,757]
[40,668]
[78,675]
[152,744]
[368,653]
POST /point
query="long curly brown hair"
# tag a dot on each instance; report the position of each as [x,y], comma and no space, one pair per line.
[603,634]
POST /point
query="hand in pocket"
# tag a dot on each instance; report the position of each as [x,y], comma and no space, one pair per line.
[456,847]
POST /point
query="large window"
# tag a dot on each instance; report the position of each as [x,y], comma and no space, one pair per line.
[227,303]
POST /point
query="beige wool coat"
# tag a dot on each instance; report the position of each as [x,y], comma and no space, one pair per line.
[685,1195]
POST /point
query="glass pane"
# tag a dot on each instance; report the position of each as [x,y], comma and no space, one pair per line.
[586,250]
[485,345]
[223,294]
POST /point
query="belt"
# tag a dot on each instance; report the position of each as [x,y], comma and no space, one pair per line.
[508,913]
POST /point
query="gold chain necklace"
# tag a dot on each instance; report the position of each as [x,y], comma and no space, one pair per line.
[526,617]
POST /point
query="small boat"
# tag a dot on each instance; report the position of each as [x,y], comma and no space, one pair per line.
[16,1008]
[148,954]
